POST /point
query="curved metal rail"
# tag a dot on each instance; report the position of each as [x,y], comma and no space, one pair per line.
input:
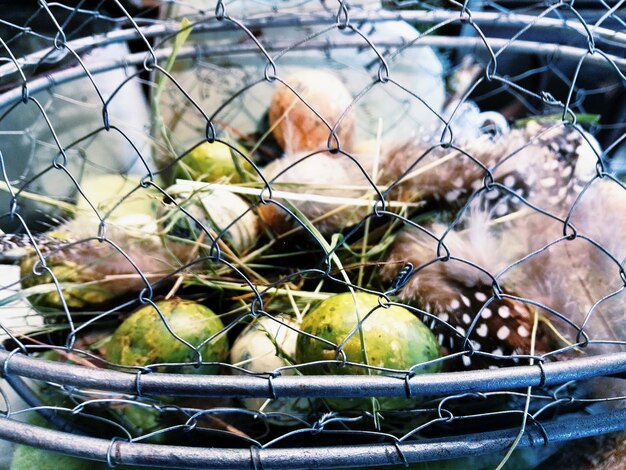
[493,19]
[398,453]
[59,77]
[353,386]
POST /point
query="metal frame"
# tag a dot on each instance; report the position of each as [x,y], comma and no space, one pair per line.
[495,20]
[449,42]
[354,386]
[132,453]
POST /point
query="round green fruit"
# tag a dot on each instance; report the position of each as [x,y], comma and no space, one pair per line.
[89,273]
[143,339]
[212,161]
[82,285]
[390,338]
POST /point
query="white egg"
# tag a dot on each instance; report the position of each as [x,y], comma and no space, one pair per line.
[218,210]
[263,347]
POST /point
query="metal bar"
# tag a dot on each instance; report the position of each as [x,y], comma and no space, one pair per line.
[520,47]
[129,453]
[356,386]
[26,394]
[493,19]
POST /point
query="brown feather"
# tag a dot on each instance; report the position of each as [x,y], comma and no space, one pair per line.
[460,294]
[545,164]
[541,162]
[575,274]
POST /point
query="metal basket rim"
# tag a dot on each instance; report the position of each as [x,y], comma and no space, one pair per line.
[494,19]
[118,451]
[355,386]
[596,57]
[17,94]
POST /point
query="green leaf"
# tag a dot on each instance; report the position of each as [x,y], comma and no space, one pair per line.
[582,118]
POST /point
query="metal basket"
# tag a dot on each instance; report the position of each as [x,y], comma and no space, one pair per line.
[555,60]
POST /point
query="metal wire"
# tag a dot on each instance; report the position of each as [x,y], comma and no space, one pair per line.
[127,453]
[476,215]
[550,374]
[519,47]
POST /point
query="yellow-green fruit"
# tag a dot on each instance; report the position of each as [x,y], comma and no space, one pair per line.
[115,192]
[142,419]
[29,458]
[91,273]
[143,339]
[84,293]
[394,338]
[212,161]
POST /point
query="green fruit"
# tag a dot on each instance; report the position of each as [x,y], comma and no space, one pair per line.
[28,458]
[84,293]
[90,273]
[117,193]
[142,419]
[394,338]
[212,161]
[143,338]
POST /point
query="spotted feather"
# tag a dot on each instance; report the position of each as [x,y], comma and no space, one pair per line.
[457,294]
[15,246]
[547,164]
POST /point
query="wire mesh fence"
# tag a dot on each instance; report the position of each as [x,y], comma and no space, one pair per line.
[297,234]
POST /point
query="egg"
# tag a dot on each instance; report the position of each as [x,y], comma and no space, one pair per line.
[263,347]
[220,211]
[331,180]
[296,127]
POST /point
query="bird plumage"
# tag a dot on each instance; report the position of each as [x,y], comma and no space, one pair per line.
[487,276]
[537,162]
[578,272]
[95,261]
[541,162]
[457,288]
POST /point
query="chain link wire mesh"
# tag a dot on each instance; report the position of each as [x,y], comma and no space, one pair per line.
[297,234]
